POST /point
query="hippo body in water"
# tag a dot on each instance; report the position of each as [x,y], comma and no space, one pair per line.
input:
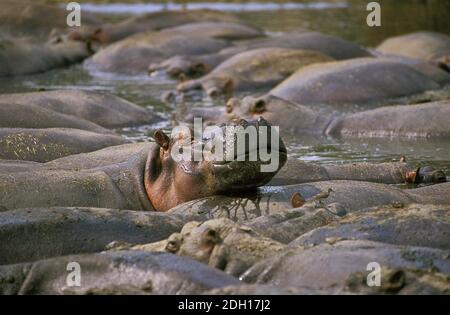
[428,120]
[133,54]
[126,272]
[103,109]
[429,46]
[43,145]
[149,179]
[310,267]
[20,57]
[361,81]
[351,195]
[334,47]
[264,67]
[107,33]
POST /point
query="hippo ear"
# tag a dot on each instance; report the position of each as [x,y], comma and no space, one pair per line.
[231,104]
[162,139]
[211,237]
[259,106]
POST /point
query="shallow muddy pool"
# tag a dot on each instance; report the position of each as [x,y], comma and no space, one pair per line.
[342,18]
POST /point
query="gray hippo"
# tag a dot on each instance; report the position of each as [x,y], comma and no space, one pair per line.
[358,81]
[329,266]
[350,195]
[20,57]
[220,243]
[126,272]
[103,109]
[334,47]
[132,55]
[263,67]
[33,234]
[150,179]
[414,225]
[107,33]
[429,46]
[427,120]
[43,145]
[31,18]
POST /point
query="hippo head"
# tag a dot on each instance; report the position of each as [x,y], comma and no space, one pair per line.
[180,67]
[94,37]
[185,166]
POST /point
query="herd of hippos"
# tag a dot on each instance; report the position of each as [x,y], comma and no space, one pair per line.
[139,222]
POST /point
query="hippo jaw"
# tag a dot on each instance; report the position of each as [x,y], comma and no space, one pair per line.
[169,182]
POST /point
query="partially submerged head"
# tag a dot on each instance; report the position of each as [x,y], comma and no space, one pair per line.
[184,166]
[181,67]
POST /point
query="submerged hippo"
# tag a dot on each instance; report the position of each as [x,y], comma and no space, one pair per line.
[414,225]
[55,108]
[220,243]
[126,272]
[20,57]
[329,266]
[150,179]
[31,18]
[357,81]
[52,232]
[428,120]
[111,32]
[43,145]
[133,54]
[429,46]
[264,67]
[350,195]
[334,47]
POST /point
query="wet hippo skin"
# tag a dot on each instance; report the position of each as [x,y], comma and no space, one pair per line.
[32,234]
[114,273]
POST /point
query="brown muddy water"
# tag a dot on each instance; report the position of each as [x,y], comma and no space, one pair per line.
[341,18]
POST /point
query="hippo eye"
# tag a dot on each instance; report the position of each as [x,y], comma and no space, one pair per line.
[259,106]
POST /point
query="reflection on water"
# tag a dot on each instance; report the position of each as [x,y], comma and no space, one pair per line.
[342,18]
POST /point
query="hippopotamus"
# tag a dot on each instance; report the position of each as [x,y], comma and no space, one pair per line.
[132,55]
[125,272]
[149,179]
[427,120]
[360,81]
[52,232]
[328,266]
[106,33]
[43,145]
[421,225]
[263,67]
[334,47]
[429,46]
[55,107]
[31,18]
[351,195]
[20,57]
[220,243]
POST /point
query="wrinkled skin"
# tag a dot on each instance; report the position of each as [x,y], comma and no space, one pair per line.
[132,55]
[111,32]
[413,225]
[147,179]
[220,243]
[351,195]
[359,81]
[428,120]
[263,67]
[329,266]
[19,57]
[429,46]
[103,109]
[334,47]
[43,145]
[130,272]
[33,234]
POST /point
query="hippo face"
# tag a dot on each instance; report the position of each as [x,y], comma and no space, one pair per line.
[182,168]
[180,67]
[253,107]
